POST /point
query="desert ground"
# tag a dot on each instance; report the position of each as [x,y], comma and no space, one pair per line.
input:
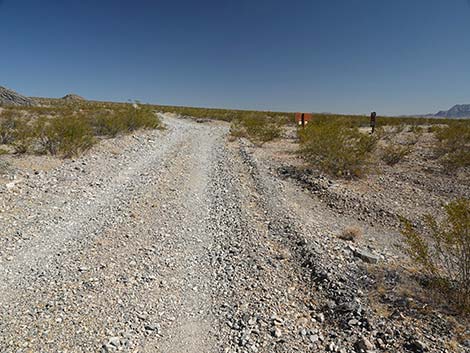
[186,239]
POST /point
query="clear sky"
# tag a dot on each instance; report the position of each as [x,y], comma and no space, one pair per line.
[344,56]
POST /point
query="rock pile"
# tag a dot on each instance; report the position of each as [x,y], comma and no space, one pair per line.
[10,97]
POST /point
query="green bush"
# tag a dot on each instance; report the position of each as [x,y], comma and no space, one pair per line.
[454,145]
[137,117]
[10,124]
[123,119]
[336,148]
[259,129]
[393,154]
[67,136]
[443,252]
[105,123]
[68,129]
[229,115]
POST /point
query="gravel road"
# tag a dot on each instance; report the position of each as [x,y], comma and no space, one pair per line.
[177,241]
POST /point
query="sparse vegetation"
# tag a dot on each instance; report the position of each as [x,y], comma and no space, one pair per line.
[454,145]
[259,129]
[67,136]
[69,129]
[442,251]
[336,148]
[393,154]
[9,125]
[222,114]
[352,233]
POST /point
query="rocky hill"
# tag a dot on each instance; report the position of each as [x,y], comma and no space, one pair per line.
[10,97]
[73,97]
[457,111]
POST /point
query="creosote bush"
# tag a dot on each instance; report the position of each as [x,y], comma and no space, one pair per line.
[259,129]
[106,122]
[454,145]
[393,154]
[336,148]
[443,251]
[67,136]
[70,129]
[10,124]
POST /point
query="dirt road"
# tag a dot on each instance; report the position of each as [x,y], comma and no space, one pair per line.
[174,241]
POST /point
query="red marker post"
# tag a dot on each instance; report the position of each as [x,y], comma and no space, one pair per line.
[302,119]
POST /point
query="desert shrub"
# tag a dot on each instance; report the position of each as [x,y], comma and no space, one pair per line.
[142,117]
[133,117]
[443,251]
[335,148]
[454,145]
[67,136]
[10,126]
[351,233]
[3,151]
[21,137]
[68,129]
[393,154]
[416,129]
[105,123]
[229,115]
[259,129]
[4,167]
[399,128]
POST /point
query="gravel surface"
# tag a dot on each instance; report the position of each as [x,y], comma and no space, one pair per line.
[178,241]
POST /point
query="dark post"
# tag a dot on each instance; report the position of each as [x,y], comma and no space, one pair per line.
[303,120]
[373,118]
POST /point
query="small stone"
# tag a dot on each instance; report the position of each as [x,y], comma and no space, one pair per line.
[114,341]
[353,322]
[276,332]
[152,327]
[366,256]
[363,345]
[416,346]
[106,348]
[314,338]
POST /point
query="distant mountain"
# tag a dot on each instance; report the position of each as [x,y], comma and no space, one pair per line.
[457,111]
[10,97]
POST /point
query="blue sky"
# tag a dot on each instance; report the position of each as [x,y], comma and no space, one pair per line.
[344,56]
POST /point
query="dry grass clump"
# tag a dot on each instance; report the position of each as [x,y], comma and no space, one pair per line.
[336,148]
[453,147]
[442,252]
[259,129]
[351,233]
[393,154]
